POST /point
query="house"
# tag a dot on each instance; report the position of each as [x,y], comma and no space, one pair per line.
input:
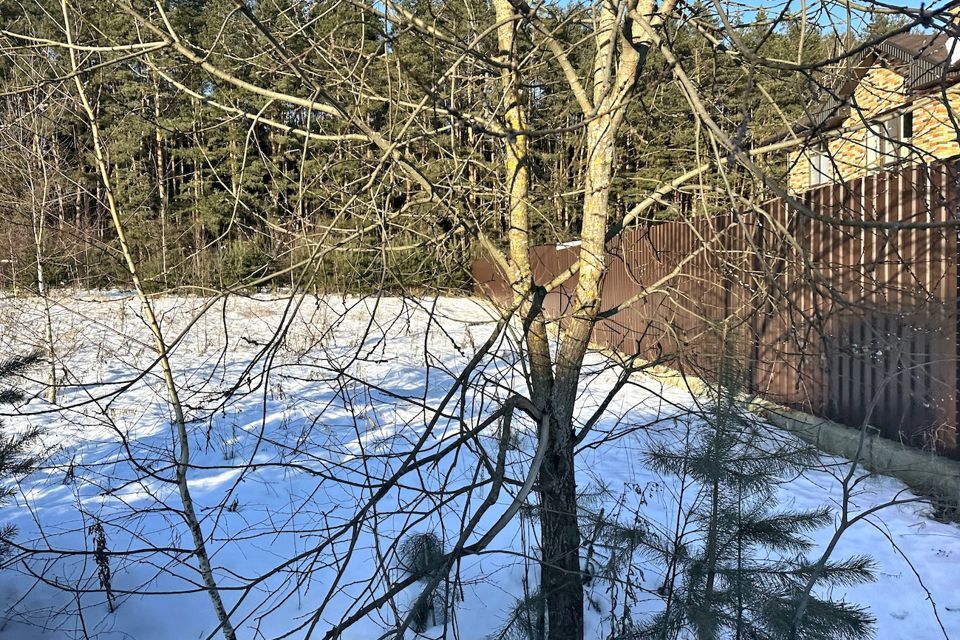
[898,104]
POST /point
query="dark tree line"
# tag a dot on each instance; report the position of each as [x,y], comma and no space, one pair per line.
[222,187]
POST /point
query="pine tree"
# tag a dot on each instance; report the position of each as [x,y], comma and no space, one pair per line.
[419,556]
[15,461]
[743,573]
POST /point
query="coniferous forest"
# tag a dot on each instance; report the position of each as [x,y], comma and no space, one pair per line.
[222,187]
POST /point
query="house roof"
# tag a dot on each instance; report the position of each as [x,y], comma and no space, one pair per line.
[926,57]
[923,60]
[933,48]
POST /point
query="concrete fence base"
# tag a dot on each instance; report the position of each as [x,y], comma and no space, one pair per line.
[924,472]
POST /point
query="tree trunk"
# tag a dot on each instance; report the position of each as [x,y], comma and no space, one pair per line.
[560,581]
[162,197]
[40,196]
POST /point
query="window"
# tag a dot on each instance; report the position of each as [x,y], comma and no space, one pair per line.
[888,140]
[821,165]
[907,127]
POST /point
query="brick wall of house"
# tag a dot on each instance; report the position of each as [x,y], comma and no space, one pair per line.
[881,91]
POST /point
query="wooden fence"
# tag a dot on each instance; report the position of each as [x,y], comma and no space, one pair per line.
[848,312]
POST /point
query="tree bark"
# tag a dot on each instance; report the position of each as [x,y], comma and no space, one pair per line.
[39,211]
[560,582]
[163,200]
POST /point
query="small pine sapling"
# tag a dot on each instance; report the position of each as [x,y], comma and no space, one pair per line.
[15,461]
[419,556]
[620,538]
[527,619]
[742,572]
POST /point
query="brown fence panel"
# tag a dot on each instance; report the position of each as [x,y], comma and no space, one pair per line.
[547,262]
[490,282]
[849,313]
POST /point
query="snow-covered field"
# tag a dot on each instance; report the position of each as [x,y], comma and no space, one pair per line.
[298,410]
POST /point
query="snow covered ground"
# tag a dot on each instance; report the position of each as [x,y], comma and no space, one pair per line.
[298,410]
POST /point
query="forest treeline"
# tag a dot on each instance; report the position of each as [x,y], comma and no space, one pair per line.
[221,187]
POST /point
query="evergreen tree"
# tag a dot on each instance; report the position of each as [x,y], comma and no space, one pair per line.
[215,197]
[882,24]
[419,557]
[15,461]
[743,573]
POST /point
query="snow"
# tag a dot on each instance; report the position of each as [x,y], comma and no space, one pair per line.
[298,408]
